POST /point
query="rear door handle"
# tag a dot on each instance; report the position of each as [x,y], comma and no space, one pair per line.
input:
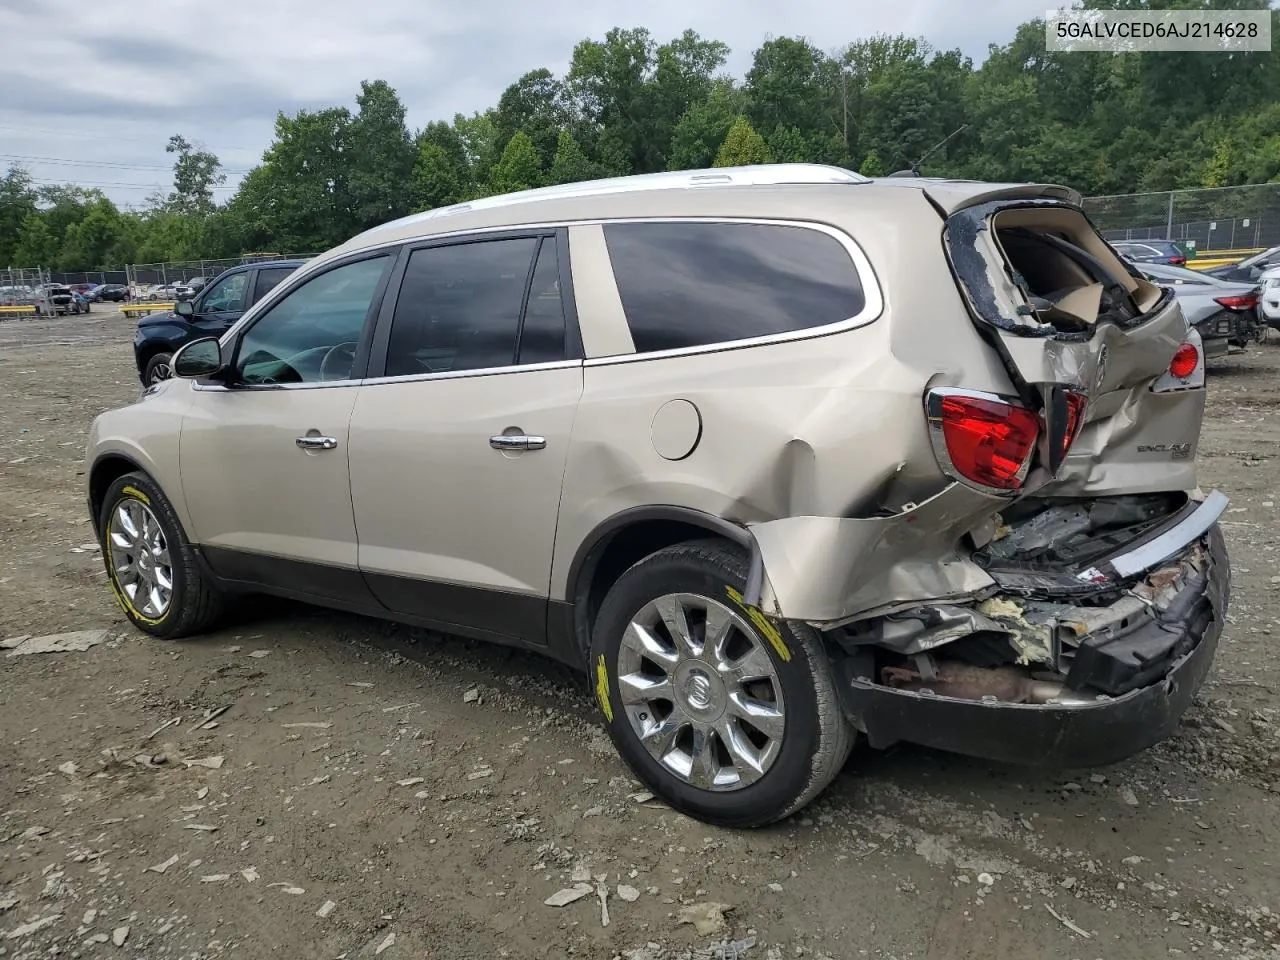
[316,443]
[517,442]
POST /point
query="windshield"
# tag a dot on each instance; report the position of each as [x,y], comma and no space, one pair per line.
[1265,255]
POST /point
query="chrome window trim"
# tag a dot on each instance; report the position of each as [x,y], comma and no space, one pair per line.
[479,372]
[376,381]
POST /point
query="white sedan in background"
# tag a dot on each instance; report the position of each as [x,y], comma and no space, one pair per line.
[1269,300]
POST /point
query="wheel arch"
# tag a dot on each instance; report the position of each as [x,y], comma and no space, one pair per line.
[628,537]
[106,470]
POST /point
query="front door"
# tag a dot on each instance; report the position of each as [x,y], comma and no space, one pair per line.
[219,305]
[458,449]
[264,458]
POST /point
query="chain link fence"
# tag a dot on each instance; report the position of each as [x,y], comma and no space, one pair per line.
[1218,222]
[22,293]
[158,281]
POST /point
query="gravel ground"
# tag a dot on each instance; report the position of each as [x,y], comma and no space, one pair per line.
[375,790]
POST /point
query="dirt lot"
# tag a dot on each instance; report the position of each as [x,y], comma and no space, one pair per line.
[437,792]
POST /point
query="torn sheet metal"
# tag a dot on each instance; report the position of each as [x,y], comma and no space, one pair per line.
[831,569]
[1133,440]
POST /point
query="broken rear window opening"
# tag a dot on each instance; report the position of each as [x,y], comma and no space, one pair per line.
[1039,268]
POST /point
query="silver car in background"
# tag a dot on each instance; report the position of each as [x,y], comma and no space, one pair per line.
[1222,312]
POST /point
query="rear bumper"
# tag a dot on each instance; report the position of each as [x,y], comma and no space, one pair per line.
[1061,735]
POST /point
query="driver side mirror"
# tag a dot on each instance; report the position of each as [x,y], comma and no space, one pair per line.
[198,359]
[183,308]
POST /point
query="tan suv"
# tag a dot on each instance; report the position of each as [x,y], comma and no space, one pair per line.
[777,454]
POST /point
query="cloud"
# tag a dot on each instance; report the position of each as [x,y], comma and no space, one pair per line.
[130,73]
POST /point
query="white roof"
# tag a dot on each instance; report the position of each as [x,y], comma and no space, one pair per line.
[765,174]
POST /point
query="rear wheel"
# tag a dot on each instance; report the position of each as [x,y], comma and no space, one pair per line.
[729,716]
[158,368]
[150,563]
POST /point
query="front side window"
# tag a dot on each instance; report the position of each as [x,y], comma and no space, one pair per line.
[696,284]
[459,307]
[311,335]
[226,295]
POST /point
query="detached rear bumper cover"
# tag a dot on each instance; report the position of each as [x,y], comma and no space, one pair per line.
[1086,734]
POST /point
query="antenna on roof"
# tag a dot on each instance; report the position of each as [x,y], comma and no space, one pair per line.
[914,169]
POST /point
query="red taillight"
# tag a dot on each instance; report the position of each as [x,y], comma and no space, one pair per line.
[1184,362]
[1177,261]
[1244,302]
[988,441]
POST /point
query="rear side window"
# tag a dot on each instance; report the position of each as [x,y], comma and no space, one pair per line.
[696,284]
[268,280]
[459,307]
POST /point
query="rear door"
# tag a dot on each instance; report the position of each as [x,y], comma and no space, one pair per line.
[1065,315]
[460,435]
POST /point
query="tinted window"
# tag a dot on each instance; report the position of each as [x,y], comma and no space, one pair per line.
[311,335]
[226,295]
[542,333]
[459,307]
[268,279]
[692,284]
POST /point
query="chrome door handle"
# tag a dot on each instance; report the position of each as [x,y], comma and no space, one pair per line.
[517,442]
[316,443]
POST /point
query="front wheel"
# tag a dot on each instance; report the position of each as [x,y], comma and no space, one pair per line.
[150,563]
[158,368]
[727,715]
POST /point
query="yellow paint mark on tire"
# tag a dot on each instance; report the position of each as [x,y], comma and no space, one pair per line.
[762,623]
[122,598]
[602,688]
[135,492]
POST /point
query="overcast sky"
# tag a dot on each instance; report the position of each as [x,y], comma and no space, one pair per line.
[101,84]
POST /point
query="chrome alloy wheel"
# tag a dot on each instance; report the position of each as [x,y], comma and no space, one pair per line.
[701,692]
[139,558]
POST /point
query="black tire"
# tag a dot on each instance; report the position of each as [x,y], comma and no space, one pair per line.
[157,369]
[817,737]
[195,603]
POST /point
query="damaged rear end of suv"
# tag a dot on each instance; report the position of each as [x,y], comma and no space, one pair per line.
[1059,599]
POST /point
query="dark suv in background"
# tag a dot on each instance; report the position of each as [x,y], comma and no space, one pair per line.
[209,314]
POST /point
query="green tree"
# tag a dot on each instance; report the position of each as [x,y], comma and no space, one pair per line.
[299,198]
[518,169]
[743,146]
[37,245]
[538,104]
[195,174]
[381,157]
[610,81]
[17,202]
[100,241]
[570,164]
[787,85]
[789,145]
[478,135]
[872,166]
[703,127]
[438,179]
